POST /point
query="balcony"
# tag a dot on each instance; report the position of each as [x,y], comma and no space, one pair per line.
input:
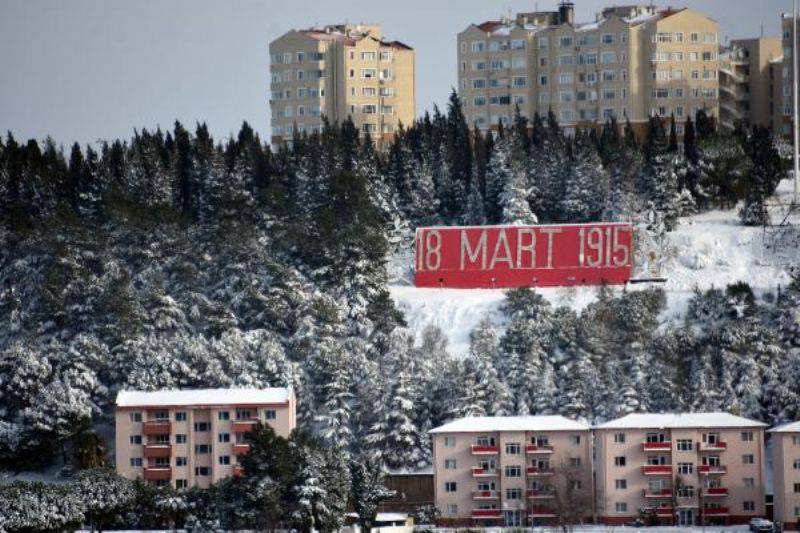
[241,449]
[157,427]
[478,471]
[158,473]
[244,426]
[152,451]
[536,471]
[715,492]
[484,514]
[482,449]
[711,469]
[658,494]
[542,512]
[664,446]
[540,494]
[664,511]
[238,471]
[657,470]
[537,449]
[485,495]
[715,511]
[713,446]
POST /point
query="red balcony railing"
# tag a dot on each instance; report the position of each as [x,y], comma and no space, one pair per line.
[486,513]
[539,494]
[541,512]
[243,426]
[157,473]
[663,493]
[664,512]
[664,446]
[713,446]
[157,427]
[481,449]
[712,469]
[715,492]
[715,511]
[657,470]
[478,471]
[157,450]
[241,449]
[485,495]
[536,471]
[536,448]
[238,471]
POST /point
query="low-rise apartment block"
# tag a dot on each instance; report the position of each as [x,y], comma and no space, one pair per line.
[785,443]
[187,438]
[512,471]
[682,469]
[631,63]
[340,71]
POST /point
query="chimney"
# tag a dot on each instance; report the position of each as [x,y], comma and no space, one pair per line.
[566,13]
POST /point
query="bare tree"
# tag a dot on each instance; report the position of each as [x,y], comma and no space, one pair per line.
[572,497]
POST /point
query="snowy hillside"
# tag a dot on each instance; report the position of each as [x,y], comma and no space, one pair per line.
[710,249]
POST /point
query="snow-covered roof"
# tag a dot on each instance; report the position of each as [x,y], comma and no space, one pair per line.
[166,398]
[789,427]
[510,423]
[679,420]
[391,517]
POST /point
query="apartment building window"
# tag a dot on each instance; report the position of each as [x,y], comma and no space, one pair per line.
[543,80]
[498,82]
[624,75]
[580,96]
[748,459]
[608,57]
[695,74]
[288,111]
[566,78]
[519,99]
[224,437]
[158,439]
[575,440]
[287,57]
[544,98]
[160,416]
[499,64]
[450,486]
[180,416]
[609,95]
[201,471]
[201,449]
[513,448]
[449,442]
[450,464]
[565,97]
[201,426]
[160,461]
[796,464]
[609,113]
[180,438]
[452,510]
[136,439]
[497,46]
[519,81]
[619,460]
[387,110]
[479,101]
[300,75]
[369,109]
[369,73]
[543,43]
[543,62]
[621,507]
[609,75]
[368,56]
[518,62]
[795,440]
[685,468]
[694,37]
[623,38]
[181,484]
[590,78]
[709,56]
[478,65]
[565,41]
[621,484]
[709,93]
[136,462]
[513,471]
[518,44]
[387,74]
[607,38]
[463,48]
[514,494]
[747,436]
[661,93]
[797,511]
[677,74]
[710,38]
[749,506]
[180,461]
[478,46]
[619,438]
[679,109]
[686,491]
[386,91]
[368,128]
[574,462]
[749,482]
[679,37]
[224,459]
[566,60]
[301,111]
[693,56]
[796,488]
[663,37]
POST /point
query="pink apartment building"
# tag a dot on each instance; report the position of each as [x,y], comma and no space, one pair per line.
[785,443]
[188,438]
[512,471]
[683,469]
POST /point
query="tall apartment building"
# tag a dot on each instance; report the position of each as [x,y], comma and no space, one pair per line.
[188,438]
[686,469]
[340,71]
[511,471]
[786,474]
[631,62]
[747,84]
[783,116]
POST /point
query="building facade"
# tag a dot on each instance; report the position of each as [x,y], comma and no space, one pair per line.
[630,63]
[187,438]
[512,471]
[338,72]
[683,469]
[785,441]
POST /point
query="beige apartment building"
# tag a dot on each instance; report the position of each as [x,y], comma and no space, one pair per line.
[512,471]
[187,438]
[340,71]
[785,444]
[683,469]
[785,72]
[632,62]
[747,83]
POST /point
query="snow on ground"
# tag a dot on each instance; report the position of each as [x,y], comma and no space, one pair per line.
[707,250]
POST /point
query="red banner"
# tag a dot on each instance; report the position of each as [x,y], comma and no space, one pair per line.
[523,256]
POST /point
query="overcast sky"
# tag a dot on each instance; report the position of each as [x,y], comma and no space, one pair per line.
[83,70]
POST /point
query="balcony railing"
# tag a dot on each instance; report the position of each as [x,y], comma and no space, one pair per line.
[238,471]
[538,448]
[485,495]
[157,473]
[659,494]
[657,470]
[478,471]
[541,512]
[483,449]
[664,446]
[157,450]
[713,446]
[712,469]
[537,471]
[241,449]
[540,494]
[243,426]
[486,513]
[157,427]
[664,512]
[715,492]
[715,511]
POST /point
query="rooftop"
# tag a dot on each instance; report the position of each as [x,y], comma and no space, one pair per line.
[167,398]
[789,427]
[510,423]
[680,420]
